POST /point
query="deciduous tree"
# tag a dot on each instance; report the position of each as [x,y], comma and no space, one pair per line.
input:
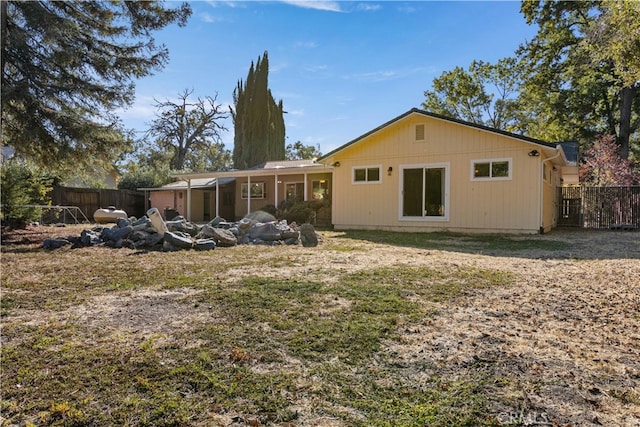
[484,94]
[582,70]
[601,165]
[299,151]
[190,132]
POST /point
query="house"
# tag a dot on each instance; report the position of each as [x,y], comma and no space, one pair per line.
[417,172]
[425,172]
[171,199]
[245,191]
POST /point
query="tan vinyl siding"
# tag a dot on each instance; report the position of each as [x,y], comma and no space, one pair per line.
[493,205]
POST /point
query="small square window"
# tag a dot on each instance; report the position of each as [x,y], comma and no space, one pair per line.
[419,132]
[366,174]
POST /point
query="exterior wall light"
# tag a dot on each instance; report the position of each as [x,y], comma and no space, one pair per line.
[336,164]
[534,153]
[389,170]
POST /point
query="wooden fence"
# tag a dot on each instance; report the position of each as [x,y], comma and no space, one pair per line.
[89,200]
[600,207]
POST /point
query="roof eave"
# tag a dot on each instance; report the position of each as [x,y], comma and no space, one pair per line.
[316,168]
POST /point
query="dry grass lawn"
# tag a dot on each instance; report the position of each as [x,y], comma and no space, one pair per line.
[368,328]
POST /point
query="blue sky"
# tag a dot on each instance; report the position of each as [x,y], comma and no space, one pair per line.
[340,68]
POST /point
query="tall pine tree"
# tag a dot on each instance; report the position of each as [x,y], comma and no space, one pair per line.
[258,120]
[67,66]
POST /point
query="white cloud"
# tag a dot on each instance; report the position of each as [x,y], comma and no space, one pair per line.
[383,75]
[331,6]
[374,76]
[209,18]
[278,66]
[369,7]
[406,9]
[316,68]
[216,3]
[141,109]
[305,45]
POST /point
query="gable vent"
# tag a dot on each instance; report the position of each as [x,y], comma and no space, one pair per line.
[419,132]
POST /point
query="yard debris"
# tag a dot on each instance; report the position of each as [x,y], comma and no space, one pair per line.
[151,232]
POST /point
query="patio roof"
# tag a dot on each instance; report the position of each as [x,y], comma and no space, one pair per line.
[282,167]
[195,184]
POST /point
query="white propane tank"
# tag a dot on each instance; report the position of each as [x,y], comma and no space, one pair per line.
[157,221]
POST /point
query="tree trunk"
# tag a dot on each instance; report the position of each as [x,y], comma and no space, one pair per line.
[627,95]
[3,33]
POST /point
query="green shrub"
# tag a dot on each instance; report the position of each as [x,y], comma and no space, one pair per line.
[301,211]
[22,185]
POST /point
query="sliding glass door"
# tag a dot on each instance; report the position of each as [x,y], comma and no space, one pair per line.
[424,192]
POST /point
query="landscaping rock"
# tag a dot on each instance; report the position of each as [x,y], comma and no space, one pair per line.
[204,245]
[180,224]
[308,236]
[221,236]
[116,233]
[56,243]
[268,232]
[178,239]
[181,234]
[90,237]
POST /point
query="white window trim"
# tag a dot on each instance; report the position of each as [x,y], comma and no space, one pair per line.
[353,174]
[509,160]
[447,188]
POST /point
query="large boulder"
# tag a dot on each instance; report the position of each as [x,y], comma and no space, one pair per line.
[204,245]
[116,233]
[56,243]
[265,231]
[182,225]
[308,236]
[221,236]
[178,239]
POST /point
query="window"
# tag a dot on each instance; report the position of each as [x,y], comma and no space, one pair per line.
[425,192]
[419,132]
[295,190]
[366,174]
[257,190]
[495,169]
[320,189]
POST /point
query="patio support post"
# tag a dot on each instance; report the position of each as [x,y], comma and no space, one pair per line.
[248,194]
[305,187]
[275,195]
[218,197]
[189,199]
